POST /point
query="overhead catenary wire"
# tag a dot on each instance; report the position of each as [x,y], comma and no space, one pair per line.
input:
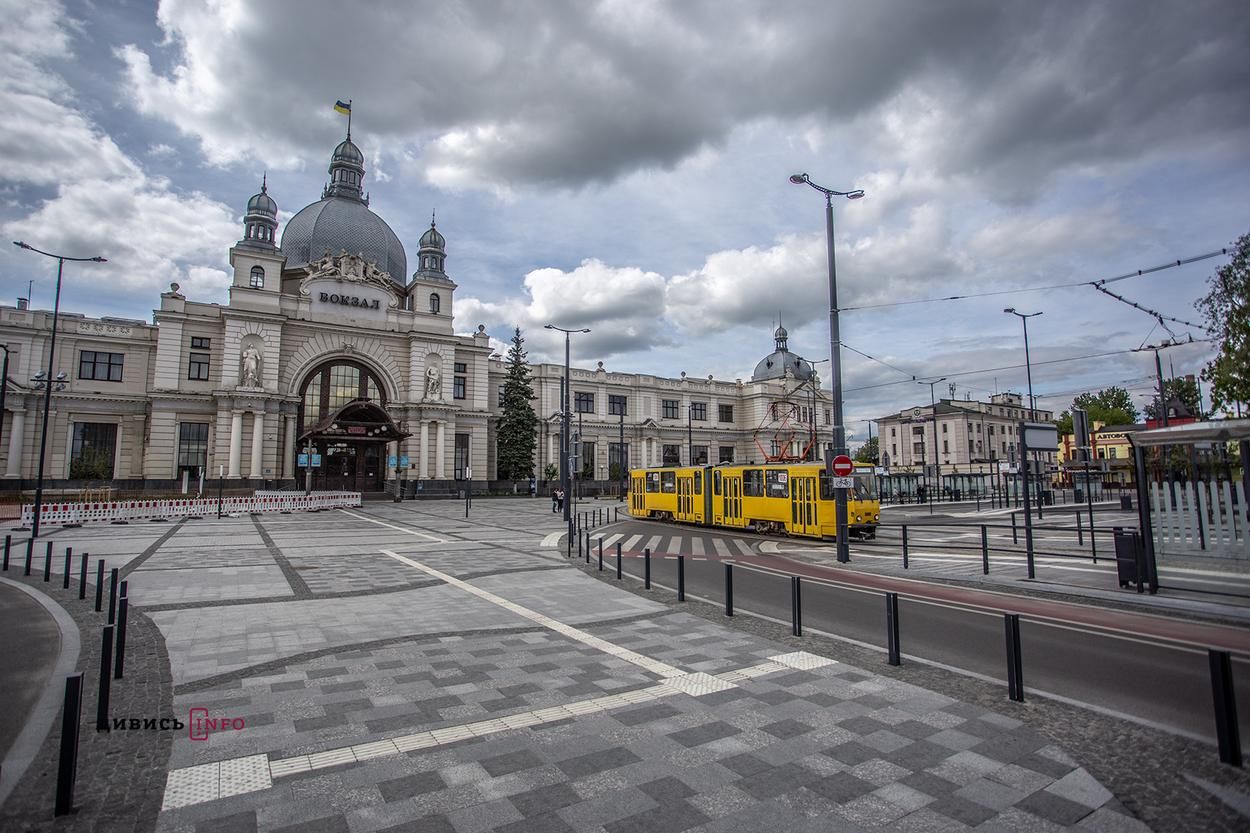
[1095,283]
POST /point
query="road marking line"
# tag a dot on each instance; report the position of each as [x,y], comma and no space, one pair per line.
[743,547]
[674,545]
[696,547]
[722,549]
[653,543]
[552,540]
[629,544]
[404,530]
[611,539]
[768,548]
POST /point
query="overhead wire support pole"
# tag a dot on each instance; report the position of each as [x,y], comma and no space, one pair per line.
[835,358]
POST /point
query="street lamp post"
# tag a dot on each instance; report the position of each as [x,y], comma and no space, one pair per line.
[621,456]
[689,435]
[4,384]
[937,466]
[47,393]
[1028,372]
[835,358]
[565,450]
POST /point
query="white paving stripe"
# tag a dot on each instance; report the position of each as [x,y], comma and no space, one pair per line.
[253,773]
[696,546]
[674,545]
[653,543]
[552,540]
[722,549]
[661,669]
[402,529]
[610,540]
[631,543]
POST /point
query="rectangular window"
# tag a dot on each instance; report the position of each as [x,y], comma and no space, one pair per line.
[1111,452]
[892,431]
[699,453]
[653,481]
[668,482]
[917,431]
[668,408]
[586,463]
[462,457]
[584,403]
[698,411]
[102,367]
[192,447]
[698,482]
[946,447]
[753,483]
[944,426]
[91,456]
[776,482]
[197,363]
[725,413]
[617,405]
[725,454]
[618,456]
[458,388]
[460,367]
[917,449]
[893,449]
[828,417]
[671,455]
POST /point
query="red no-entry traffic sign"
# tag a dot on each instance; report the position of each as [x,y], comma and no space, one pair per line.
[842,466]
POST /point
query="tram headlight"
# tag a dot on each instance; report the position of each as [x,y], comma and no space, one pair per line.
[859,519]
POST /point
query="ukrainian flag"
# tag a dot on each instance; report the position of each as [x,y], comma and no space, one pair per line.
[345,109]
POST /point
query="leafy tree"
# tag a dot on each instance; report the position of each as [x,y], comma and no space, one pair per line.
[516,436]
[1227,311]
[867,452]
[1186,390]
[1110,406]
[551,472]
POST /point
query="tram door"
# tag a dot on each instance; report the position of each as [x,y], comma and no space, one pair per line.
[731,503]
[685,496]
[803,516]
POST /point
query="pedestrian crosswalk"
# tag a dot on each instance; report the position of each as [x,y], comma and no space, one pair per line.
[660,545]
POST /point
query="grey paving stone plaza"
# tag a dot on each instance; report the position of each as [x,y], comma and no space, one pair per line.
[401,668]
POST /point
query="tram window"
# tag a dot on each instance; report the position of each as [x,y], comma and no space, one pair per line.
[753,482]
[775,480]
[716,483]
[826,490]
[653,481]
[698,482]
[668,482]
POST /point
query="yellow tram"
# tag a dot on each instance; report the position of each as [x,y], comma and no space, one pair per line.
[794,498]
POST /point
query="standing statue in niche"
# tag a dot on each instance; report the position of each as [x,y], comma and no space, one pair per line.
[433,383]
[251,367]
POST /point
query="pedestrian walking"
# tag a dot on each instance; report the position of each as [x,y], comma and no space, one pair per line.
[560,499]
[555,500]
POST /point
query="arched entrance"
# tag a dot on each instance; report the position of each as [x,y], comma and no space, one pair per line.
[342,419]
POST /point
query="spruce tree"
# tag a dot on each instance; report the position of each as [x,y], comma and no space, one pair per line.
[516,435]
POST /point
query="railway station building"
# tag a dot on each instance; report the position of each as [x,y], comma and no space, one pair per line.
[336,359]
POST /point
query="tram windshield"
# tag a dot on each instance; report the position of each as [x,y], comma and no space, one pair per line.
[865,487]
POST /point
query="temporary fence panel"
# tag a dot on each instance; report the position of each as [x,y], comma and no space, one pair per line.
[146,510]
[1200,518]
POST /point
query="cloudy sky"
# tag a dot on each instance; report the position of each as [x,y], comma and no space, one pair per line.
[623,165]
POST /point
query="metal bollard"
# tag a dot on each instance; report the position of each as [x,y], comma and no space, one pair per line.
[601,554]
[8,544]
[1015,668]
[82,578]
[796,606]
[1015,535]
[120,659]
[113,596]
[568,539]
[1080,533]
[579,546]
[618,560]
[106,667]
[1225,707]
[99,584]
[891,627]
[646,572]
[681,578]
[905,565]
[47,562]
[729,589]
[69,555]
[30,550]
[67,767]
[588,546]
[985,551]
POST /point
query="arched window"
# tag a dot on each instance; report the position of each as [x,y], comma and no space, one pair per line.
[434,303]
[333,385]
[258,277]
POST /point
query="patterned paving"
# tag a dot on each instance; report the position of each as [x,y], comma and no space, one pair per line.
[543,700]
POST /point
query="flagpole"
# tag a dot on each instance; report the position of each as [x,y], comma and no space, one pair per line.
[349,119]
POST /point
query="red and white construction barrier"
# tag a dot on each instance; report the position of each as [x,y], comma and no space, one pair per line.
[149,510]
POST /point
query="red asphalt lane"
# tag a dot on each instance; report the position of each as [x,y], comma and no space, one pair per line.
[1200,635]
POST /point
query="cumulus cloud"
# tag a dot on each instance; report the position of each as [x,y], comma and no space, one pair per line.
[1004,92]
[104,203]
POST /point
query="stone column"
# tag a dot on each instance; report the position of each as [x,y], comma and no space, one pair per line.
[236,445]
[258,445]
[440,454]
[288,449]
[13,467]
[423,454]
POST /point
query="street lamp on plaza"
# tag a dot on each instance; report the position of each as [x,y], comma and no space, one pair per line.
[835,346]
[565,450]
[1028,371]
[937,468]
[47,391]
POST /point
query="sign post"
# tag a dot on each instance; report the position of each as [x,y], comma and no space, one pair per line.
[841,467]
[1034,436]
